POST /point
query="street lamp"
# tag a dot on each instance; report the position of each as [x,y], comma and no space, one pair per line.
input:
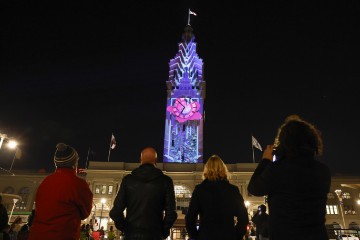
[2,137]
[12,210]
[247,204]
[93,217]
[338,193]
[103,201]
[13,145]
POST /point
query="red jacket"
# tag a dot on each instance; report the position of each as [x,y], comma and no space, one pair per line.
[62,201]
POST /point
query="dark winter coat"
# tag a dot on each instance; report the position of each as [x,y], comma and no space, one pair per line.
[146,194]
[297,192]
[261,221]
[4,219]
[217,203]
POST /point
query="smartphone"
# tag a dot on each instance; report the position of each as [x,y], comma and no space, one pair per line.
[274,155]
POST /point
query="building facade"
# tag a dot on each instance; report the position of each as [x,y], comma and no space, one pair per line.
[104,179]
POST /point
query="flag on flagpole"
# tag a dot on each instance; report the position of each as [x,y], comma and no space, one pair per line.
[112,142]
[190,12]
[255,143]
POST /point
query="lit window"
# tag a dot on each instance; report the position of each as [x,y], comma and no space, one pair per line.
[349,210]
[97,189]
[24,193]
[103,189]
[183,196]
[331,209]
[110,189]
[346,195]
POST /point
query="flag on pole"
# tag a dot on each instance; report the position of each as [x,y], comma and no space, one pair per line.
[112,142]
[190,12]
[255,143]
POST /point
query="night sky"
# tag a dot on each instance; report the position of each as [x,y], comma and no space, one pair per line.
[78,71]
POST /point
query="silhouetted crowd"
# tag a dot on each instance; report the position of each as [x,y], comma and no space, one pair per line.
[290,175]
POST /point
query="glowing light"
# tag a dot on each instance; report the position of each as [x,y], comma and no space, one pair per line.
[12,144]
[183,126]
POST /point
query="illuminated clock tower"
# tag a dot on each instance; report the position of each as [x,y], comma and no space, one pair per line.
[183,142]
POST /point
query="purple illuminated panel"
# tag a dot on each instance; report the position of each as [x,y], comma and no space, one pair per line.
[183,141]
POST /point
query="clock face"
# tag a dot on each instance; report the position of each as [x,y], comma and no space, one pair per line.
[185,109]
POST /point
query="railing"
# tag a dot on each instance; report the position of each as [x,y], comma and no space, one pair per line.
[343,234]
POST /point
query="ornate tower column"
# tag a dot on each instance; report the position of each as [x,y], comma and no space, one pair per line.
[183,142]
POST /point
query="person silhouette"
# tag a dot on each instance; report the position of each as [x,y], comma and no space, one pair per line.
[62,199]
[216,203]
[296,183]
[148,196]
[261,220]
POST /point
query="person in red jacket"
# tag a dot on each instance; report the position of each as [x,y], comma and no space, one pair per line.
[62,199]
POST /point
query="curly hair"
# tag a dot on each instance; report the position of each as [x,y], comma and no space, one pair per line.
[297,137]
[215,169]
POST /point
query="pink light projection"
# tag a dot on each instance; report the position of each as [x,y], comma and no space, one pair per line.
[185,109]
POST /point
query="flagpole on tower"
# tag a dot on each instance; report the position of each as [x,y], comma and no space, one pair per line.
[252,146]
[87,158]
[112,145]
[189,17]
[109,154]
[190,12]
[255,143]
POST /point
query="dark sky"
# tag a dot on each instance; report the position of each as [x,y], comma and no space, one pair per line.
[77,71]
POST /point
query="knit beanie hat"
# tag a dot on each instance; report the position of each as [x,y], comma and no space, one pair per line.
[65,156]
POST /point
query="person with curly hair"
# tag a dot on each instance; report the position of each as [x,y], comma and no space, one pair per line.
[295,182]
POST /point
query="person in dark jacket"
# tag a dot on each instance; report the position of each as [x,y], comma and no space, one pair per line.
[261,220]
[217,202]
[296,183]
[4,219]
[149,199]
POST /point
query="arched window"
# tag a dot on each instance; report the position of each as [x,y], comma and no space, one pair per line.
[24,193]
[9,190]
[330,196]
[182,196]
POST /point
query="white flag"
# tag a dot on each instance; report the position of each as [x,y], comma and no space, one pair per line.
[192,12]
[255,143]
[112,142]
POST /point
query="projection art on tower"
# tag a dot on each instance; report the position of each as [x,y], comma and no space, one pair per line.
[183,142]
